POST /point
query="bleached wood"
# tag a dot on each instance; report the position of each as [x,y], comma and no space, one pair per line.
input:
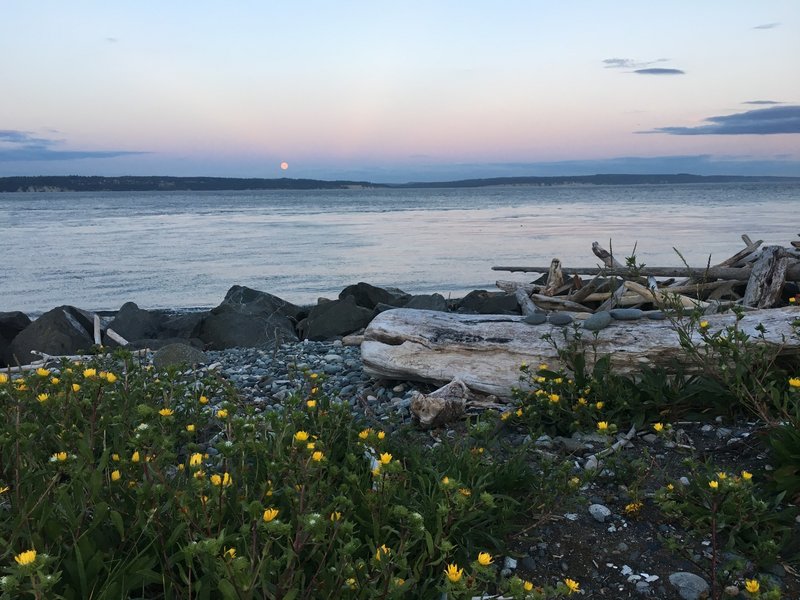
[116,337]
[739,274]
[486,351]
[97,332]
[526,305]
[606,256]
[767,278]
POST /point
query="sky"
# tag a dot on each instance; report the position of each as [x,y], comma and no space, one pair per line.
[399,91]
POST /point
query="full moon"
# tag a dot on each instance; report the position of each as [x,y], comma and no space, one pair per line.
[284,166]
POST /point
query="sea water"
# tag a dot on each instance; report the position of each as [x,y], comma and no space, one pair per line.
[185,249]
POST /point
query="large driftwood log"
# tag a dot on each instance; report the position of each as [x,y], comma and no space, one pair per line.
[486,351]
[739,274]
[767,278]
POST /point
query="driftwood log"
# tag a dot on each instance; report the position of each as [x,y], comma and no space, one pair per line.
[486,351]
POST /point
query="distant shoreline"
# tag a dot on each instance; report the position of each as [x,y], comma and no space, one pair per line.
[75,183]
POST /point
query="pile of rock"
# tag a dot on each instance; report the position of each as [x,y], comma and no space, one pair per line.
[246,318]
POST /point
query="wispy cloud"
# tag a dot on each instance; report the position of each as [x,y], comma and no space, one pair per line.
[767,26]
[659,71]
[630,63]
[16,145]
[762,121]
[762,102]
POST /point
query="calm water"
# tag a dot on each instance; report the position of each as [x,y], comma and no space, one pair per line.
[185,249]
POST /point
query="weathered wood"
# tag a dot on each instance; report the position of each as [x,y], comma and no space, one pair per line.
[116,337]
[98,340]
[441,406]
[739,274]
[587,290]
[557,303]
[555,278]
[767,278]
[733,261]
[486,351]
[613,299]
[606,256]
[663,298]
[526,305]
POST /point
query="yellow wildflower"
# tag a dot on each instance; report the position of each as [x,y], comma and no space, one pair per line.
[311,403]
[519,412]
[116,475]
[386,458]
[311,445]
[190,427]
[794,382]
[199,474]
[224,480]
[658,427]
[336,515]
[42,397]
[703,324]
[713,484]
[505,416]
[633,508]
[670,487]
[317,456]
[42,372]
[466,492]
[540,379]
[75,387]
[115,457]
[752,585]
[222,413]
[3,378]
[135,457]
[4,489]
[270,514]
[203,400]
[195,460]
[166,412]
[554,398]
[574,481]
[110,377]
[21,386]
[572,585]
[527,586]
[582,401]
[89,373]
[382,551]
[364,433]
[602,426]
[314,390]
[313,376]
[543,367]
[453,573]
[722,475]
[792,300]
[55,380]
[485,559]
[747,475]
[445,480]
[599,405]
[558,380]
[381,435]
[351,583]
[59,456]
[25,558]
[301,436]
[230,552]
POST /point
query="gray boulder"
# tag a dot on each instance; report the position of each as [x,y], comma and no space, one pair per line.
[689,585]
[63,330]
[369,296]
[11,324]
[483,302]
[248,318]
[335,319]
[134,323]
[427,302]
[177,355]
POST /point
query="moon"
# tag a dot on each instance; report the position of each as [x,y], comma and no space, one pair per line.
[284,166]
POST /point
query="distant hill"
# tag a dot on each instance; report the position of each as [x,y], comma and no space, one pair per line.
[75,183]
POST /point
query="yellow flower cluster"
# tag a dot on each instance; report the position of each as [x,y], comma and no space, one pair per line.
[25,558]
[794,383]
[223,480]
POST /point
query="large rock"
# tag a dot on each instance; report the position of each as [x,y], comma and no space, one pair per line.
[133,323]
[11,324]
[63,330]
[369,296]
[489,303]
[335,319]
[427,302]
[248,318]
[177,355]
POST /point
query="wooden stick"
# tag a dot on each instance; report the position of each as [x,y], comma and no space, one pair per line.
[659,297]
[605,256]
[97,339]
[526,305]
[739,274]
[116,337]
[587,290]
[557,303]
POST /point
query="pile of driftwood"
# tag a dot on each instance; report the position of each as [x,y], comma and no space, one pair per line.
[484,352]
[754,277]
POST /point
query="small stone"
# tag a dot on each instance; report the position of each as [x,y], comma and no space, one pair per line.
[598,321]
[559,319]
[509,563]
[599,512]
[724,432]
[650,438]
[731,590]
[591,463]
[689,585]
[643,588]
[626,314]
[655,315]
[536,318]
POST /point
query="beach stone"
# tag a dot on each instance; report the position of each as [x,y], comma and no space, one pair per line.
[11,324]
[598,321]
[536,318]
[175,355]
[599,512]
[655,315]
[559,319]
[427,302]
[63,330]
[369,296]
[335,319]
[489,303]
[248,318]
[626,314]
[689,585]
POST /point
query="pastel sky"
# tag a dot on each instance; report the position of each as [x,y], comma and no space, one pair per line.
[399,91]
